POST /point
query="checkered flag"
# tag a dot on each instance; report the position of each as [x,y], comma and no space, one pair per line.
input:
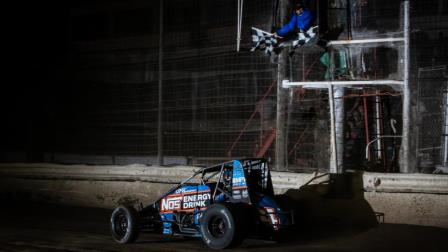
[263,40]
[306,37]
[266,41]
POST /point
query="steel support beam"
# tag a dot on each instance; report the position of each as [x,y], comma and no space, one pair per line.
[445,131]
[280,143]
[365,41]
[339,124]
[444,166]
[160,86]
[324,84]
[405,162]
[239,23]
[333,145]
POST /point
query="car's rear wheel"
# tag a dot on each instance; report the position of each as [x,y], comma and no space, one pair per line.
[221,226]
[125,226]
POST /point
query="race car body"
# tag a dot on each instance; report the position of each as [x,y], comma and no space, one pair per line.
[222,204]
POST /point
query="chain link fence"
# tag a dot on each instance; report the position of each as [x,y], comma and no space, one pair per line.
[431,122]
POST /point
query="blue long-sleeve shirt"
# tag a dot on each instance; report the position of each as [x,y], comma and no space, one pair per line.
[302,21]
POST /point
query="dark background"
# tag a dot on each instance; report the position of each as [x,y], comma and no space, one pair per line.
[80,77]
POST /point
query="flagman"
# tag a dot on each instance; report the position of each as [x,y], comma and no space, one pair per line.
[301,21]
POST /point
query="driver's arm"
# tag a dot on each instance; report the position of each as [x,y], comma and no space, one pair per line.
[288,27]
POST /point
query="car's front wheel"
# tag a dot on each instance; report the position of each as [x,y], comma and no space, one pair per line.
[221,226]
[125,226]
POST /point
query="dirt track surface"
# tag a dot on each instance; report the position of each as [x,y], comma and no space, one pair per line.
[51,228]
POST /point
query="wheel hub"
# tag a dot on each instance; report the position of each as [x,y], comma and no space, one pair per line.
[218,227]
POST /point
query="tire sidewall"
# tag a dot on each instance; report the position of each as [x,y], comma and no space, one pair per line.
[132,224]
[229,236]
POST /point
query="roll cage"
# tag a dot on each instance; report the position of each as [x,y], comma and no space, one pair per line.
[256,173]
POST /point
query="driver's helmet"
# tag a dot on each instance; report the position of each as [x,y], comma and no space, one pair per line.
[227,174]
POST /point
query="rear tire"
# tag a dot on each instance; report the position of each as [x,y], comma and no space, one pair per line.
[221,226]
[125,224]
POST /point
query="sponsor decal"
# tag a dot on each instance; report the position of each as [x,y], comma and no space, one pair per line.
[238,178]
[241,181]
[171,203]
[188,201]
[195,200]
[184,190]
[239,184]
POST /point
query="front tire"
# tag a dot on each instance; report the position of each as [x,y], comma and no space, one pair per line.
[125,224]
[221,226]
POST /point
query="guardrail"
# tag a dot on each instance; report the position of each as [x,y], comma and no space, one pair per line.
[405,183]
[372,182]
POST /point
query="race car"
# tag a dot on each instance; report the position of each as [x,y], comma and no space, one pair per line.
[222,204]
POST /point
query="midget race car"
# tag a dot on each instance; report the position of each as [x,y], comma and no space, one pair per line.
[222,204]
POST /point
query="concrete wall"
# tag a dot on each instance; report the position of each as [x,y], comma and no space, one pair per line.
[419,199]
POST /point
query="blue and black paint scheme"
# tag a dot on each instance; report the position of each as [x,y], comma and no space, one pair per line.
[245,183]
[188,199]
